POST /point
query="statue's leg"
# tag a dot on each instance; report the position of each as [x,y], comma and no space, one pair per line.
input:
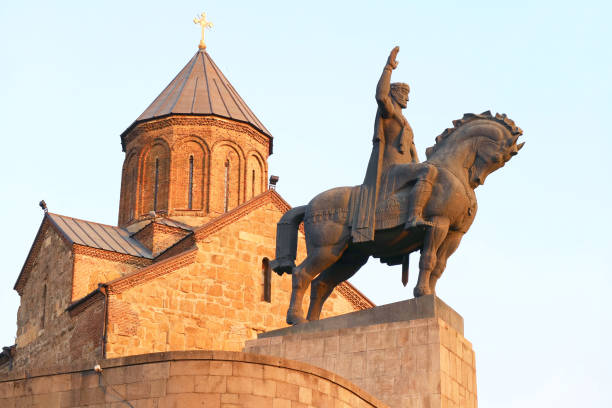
[434,237]
[419,195]
[450,244]
[318,260]
[325,283]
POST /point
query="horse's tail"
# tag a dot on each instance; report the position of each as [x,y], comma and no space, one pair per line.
[286,240]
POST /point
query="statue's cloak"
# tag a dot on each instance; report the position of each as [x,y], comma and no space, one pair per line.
[363,201]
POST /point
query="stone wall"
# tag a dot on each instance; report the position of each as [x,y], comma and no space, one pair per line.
[185,380]
[213,301]
[47,334]
[93,266]
[416,359]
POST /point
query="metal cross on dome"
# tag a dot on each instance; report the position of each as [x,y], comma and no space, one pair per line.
[204,24]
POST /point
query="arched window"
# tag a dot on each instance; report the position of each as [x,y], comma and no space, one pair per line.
[252,183]
[255,176]
[226,186]
[267,280]
[156,184]
[190,198]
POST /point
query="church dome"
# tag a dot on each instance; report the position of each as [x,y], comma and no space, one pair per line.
[196,151]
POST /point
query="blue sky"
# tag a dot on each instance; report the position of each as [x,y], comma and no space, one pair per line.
[532,276]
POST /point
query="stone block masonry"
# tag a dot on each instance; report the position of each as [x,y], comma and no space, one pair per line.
[209,379]
[408,354]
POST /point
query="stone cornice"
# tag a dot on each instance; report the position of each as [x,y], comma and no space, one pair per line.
[110,255]
[354,296]
[83,303]
[151,272]
[268,197]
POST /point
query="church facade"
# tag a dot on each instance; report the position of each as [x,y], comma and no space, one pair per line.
[187,266]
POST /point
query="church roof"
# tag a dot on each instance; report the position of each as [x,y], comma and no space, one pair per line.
[99,236]
[200,88]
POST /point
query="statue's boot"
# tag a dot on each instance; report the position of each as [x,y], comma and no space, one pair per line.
[417,200]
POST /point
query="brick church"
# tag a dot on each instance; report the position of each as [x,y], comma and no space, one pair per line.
[186,268]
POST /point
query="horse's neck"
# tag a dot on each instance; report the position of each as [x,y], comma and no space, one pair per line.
[456,158]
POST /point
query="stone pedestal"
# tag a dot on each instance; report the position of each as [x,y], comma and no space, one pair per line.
[408,354]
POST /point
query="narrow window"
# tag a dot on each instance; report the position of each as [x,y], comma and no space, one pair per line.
[252,183]
[156,184]
[267,279]
[44,302]
[190,182]
[132,193]
[226,190]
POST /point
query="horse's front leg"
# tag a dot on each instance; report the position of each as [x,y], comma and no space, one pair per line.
[318,259]
[450,244]
[434,237]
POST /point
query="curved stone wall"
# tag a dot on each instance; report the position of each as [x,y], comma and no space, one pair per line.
[185,379]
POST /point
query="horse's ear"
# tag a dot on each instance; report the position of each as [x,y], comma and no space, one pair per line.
[520,146]
[428,151]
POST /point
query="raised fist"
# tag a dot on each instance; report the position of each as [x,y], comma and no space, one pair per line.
[391,61]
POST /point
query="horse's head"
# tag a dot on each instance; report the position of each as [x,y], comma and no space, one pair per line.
[491,155]
[492,139]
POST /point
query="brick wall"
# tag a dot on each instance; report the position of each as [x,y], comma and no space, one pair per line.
[214,302]
[186,380]
[210,143]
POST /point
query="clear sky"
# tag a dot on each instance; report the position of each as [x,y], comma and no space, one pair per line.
[532,276]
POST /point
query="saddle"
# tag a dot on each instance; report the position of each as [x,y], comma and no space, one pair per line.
[389,213]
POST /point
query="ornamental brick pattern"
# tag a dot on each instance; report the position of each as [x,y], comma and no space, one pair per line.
[212,163]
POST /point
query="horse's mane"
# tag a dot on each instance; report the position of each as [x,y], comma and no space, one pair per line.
[469,117]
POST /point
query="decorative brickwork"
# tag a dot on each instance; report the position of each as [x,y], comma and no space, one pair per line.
[93,266]
[357,299]
[159,237]
[204,166]
[152,272]
[269,197]
[186,244]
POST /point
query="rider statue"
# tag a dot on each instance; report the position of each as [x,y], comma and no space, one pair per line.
[393,163]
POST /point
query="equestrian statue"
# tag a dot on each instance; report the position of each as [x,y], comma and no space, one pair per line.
[401,207]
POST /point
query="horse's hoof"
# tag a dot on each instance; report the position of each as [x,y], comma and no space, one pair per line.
[295,319]
[420,291]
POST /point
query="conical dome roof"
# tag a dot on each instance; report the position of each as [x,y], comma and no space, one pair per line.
[200,88]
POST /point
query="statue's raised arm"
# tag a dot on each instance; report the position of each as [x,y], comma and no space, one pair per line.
[383,97]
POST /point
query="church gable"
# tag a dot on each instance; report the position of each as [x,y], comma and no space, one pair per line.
[215,294]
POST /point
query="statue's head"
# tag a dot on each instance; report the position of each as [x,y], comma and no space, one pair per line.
[399,92]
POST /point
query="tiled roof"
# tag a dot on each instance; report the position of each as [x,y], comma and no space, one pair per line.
[200,88]
[99,236]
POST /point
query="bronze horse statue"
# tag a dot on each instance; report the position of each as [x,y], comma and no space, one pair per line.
[464,156]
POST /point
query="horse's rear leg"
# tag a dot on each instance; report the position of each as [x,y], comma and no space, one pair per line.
[433,239]
[317,261]
[325,283]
